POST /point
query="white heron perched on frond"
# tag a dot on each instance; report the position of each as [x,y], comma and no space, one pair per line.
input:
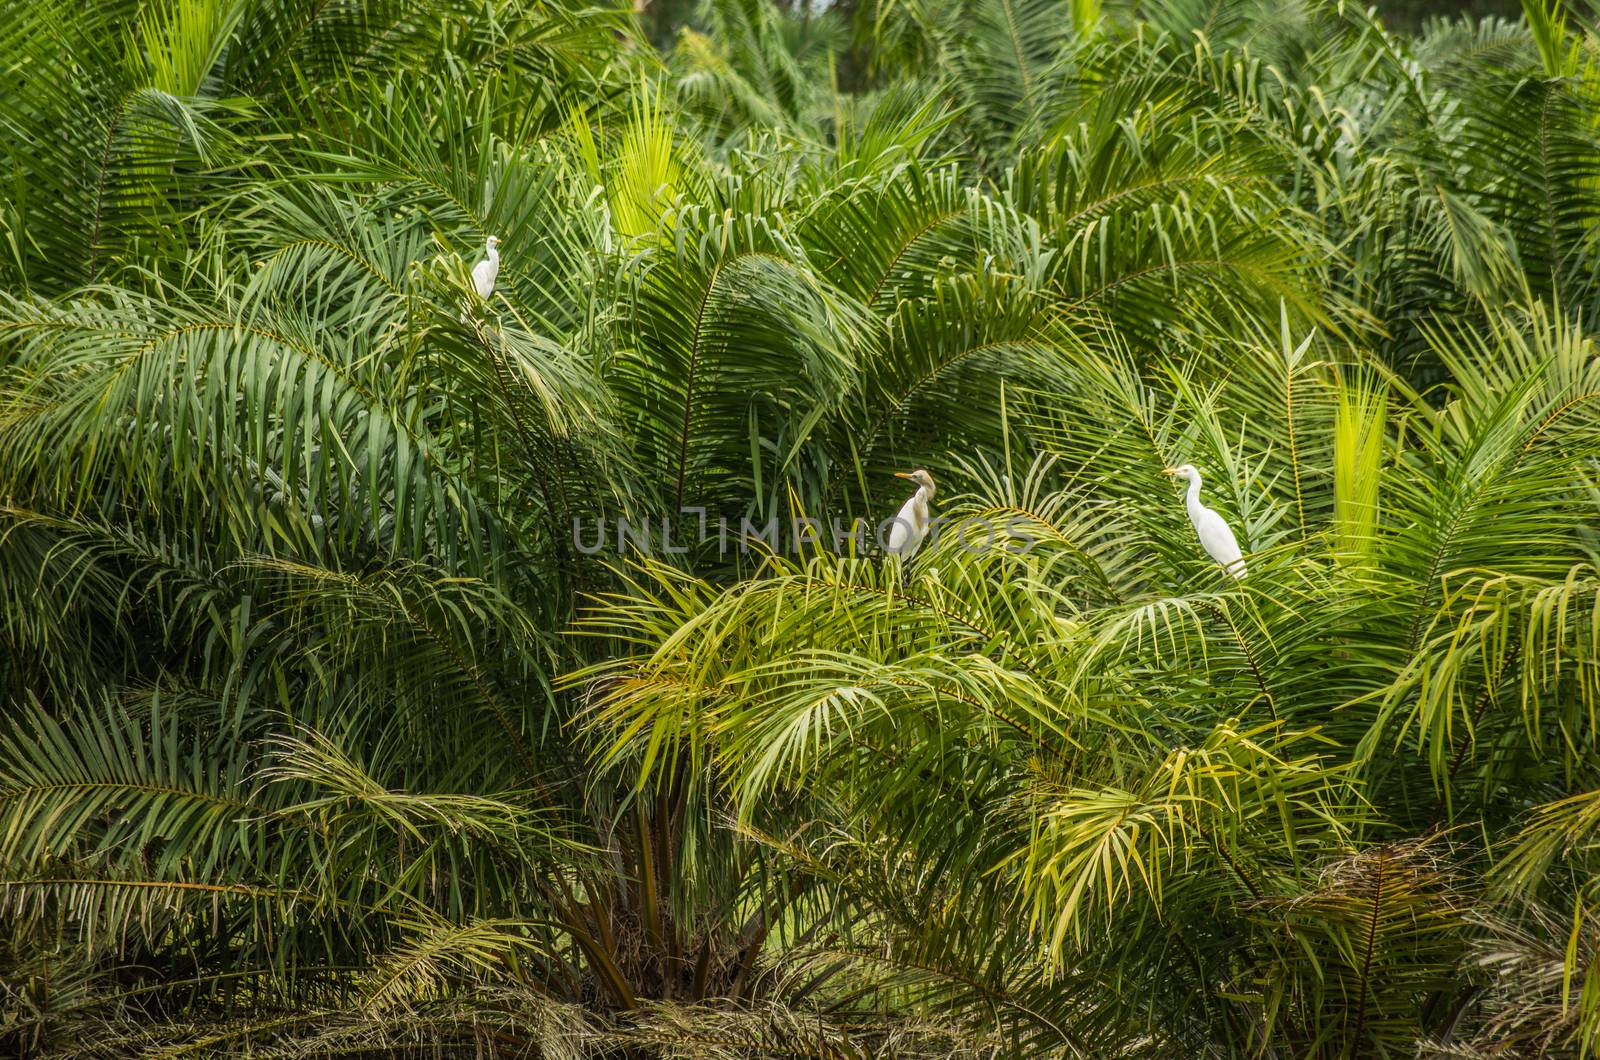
[911,525]
[1216,537]
[485,272]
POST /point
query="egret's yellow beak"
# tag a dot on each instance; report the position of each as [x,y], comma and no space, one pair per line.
[1169,471]
[901,474]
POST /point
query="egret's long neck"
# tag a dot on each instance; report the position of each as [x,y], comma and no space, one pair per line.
[494,256]
[920,516]
[1192,501]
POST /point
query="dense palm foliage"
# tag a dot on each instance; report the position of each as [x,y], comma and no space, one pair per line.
[340,714]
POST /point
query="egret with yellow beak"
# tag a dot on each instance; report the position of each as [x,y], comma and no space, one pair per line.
[1216,537]
[911,525]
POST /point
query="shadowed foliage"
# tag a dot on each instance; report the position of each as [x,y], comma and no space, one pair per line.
[390,671]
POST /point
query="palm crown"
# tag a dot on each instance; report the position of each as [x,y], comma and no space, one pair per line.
[321,730]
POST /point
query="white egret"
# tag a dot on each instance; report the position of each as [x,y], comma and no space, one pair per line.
[911,525]
[484,273]
[1215,535]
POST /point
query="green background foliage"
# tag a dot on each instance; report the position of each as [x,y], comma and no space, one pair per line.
[321,735]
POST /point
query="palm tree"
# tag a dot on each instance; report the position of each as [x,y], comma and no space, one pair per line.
[1235,798]
[325,727]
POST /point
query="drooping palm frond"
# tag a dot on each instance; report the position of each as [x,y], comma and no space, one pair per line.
[1381,935]
[388,669]
[115,134]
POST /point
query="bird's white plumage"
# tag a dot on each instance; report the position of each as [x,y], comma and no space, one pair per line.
[1216,536]
[910,526]
[911,523]
[488,270]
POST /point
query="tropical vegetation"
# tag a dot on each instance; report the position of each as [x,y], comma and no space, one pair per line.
[367,689]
